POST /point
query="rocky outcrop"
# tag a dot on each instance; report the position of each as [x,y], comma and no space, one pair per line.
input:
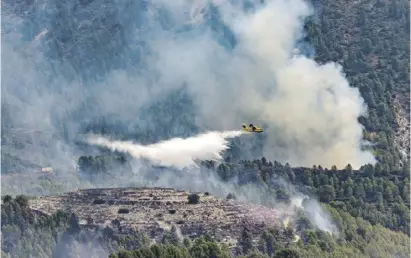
[402,134]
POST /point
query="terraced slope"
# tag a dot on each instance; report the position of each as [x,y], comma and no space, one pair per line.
[155,210]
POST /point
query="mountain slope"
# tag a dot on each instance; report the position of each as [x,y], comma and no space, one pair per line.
[64,235]
[370,40]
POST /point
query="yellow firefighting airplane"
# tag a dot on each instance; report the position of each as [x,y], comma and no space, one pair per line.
[252,128]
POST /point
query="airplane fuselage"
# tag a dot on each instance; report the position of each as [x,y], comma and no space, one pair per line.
[252,129]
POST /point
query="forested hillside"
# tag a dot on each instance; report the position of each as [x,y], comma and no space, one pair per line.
[370,40]
[375,195]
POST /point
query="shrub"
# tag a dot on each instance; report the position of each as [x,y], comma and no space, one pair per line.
[193,199]
[123,210]
[98,201]
[7,198]
[90,221]
[231,196]
[22,200]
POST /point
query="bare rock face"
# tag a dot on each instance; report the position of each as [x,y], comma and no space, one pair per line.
[155,210]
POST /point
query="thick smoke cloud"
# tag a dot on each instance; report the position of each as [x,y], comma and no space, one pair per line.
[68,64]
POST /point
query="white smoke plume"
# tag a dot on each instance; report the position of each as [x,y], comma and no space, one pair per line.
[318,215]
[81,62]
[176,152]
[310,109]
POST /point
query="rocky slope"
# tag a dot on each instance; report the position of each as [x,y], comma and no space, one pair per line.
[155,210]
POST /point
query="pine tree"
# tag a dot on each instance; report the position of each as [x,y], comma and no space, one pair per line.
[246,240]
